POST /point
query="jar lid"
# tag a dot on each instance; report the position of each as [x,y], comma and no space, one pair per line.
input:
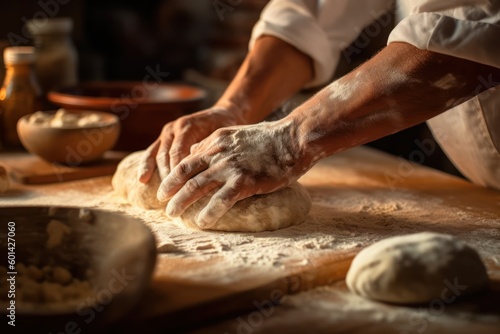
[58,25]
[19,55]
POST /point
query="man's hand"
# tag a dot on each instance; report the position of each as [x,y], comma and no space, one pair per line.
[177,137]
[233,163]
[388,93]
[272,72]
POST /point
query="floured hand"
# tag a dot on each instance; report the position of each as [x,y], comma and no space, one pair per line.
[177,137]
[235,163]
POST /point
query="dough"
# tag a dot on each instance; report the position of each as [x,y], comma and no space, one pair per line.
[62,118]
[268,212]
[47,288]
[417,268]
[56,231]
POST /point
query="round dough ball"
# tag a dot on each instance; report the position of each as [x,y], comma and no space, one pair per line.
[417,268]
[269,212]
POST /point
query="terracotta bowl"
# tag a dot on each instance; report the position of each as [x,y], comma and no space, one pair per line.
[143,108]
[72,146]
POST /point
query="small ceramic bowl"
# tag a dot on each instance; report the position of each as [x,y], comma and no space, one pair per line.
[143,107]
[72,145]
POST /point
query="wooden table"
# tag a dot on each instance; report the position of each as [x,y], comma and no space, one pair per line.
[359,196]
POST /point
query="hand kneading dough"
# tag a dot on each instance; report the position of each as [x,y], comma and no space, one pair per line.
[417,268]
[269,212]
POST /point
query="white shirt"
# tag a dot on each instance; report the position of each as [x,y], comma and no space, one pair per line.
[469,29]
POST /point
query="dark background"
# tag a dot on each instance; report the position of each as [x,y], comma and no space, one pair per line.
[118,39]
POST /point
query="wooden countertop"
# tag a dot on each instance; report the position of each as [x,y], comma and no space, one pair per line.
[359,196]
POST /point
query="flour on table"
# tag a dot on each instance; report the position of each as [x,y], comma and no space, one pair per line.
[352,212]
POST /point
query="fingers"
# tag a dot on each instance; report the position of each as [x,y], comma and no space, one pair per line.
[179,149]
[194,189]
[180,175]
[193,148]
[163,159]
[156,156]
[148,163]
[219,204]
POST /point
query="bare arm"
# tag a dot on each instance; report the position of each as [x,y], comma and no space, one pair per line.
[399,87]
[272,72]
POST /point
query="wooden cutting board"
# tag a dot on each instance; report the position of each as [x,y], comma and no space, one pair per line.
[30,169]
[174,302]
[179,296]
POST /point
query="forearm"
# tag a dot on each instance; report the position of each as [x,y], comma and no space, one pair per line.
[272,72]
[398,88]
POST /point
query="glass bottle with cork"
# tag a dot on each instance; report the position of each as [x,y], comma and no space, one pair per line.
[20,93]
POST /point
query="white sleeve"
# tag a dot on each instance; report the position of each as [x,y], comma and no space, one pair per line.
[320,29]
[460,28]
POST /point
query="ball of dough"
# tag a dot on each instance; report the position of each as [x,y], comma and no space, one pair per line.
[268,212]
[126,184]
[417,268]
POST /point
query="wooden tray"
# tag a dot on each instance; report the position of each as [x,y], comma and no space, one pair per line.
[30,169]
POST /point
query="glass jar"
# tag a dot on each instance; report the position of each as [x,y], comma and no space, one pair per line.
[56,56]
[20,93]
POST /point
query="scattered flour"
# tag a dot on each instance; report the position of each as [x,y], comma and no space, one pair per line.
[352,208]
[353,211]
[447,82]
[341,91]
